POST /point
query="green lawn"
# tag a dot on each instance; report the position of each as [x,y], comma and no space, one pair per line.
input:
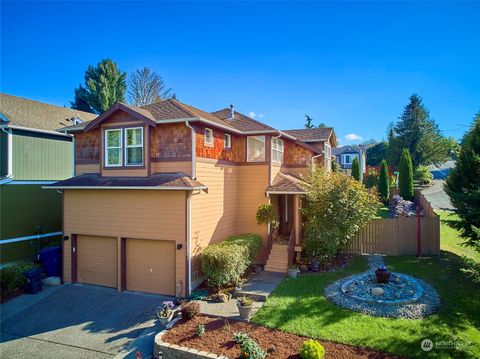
[450,240]
[298,306]
[383,213]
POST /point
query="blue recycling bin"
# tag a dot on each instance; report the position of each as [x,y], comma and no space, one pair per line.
[51,259]
[34,280]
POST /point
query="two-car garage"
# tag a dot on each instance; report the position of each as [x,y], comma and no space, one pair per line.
[148,265]
[126,239]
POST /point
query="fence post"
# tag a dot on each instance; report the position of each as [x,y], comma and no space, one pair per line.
[419,234]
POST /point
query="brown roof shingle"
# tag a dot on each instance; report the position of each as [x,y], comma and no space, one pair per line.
[242,122]
[178,180]
[311,134]
[23,112]
[284,182]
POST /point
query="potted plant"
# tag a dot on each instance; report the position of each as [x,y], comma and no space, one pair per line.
[166,314]
[292,271]
[244,305]
[382,274]
[267,214]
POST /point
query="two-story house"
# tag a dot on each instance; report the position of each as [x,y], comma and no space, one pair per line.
[155,185]
[346,154]
[32,154]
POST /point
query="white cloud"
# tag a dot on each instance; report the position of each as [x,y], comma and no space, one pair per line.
[252,114]
[353,137]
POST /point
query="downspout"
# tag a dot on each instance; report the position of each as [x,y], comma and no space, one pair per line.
[9,152]
[270,179]
[193,150]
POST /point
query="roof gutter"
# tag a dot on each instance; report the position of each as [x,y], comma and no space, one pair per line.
[9,150]
[158,188]
[55,133]
[194,140]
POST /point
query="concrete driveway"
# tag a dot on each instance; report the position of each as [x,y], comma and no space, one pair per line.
[78,321]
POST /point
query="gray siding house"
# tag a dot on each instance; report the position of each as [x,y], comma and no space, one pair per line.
[344,156]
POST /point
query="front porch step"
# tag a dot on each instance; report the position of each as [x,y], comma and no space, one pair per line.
[278,259]
[260,286]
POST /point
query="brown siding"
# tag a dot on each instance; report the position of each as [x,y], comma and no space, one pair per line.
[171,141]
[87,146]
[156,215]
[296,155]
[218,151]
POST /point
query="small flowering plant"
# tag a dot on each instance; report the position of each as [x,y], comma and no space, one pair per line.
[166,310]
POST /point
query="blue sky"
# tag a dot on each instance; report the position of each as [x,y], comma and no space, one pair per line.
[352,65]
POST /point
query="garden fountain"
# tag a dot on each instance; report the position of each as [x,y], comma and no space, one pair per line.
[383,293]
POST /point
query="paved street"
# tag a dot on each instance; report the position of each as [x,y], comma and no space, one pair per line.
[76,321]
[436,195]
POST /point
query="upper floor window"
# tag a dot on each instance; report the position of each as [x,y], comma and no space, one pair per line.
[328,155]
[124,147]
[277,150]
[134,146]
[113,148]
[209,136]
[228,141]
[255,148]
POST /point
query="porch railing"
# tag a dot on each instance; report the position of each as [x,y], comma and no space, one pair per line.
[267,248]
[291,247]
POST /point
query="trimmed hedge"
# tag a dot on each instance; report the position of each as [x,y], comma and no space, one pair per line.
[225,262]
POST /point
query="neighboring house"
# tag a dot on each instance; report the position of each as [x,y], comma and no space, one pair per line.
[155,185]
[345,155]
[32,155]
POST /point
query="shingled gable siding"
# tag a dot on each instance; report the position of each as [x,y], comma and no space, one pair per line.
[237,152]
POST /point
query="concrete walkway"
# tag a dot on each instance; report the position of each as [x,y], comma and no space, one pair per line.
[258,288]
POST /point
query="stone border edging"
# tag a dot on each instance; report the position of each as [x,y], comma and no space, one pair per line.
[173,351]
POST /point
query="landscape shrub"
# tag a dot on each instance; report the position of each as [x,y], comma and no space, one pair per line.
[190,310]
[383,185]
[336,208]
[12,277]
[405,178]
[249,347]
[200,330]
[311,349]
[356,169]
[371,179]
[423,175]
[225,262]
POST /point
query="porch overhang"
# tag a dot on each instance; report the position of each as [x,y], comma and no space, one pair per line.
[286,184]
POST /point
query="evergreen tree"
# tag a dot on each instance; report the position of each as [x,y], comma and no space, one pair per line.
[376,153]
[104,86]
[322,125]
[463,186]
[383,182]
[405,178]
[356,169]
[334,166]
[419,133]
[308,122]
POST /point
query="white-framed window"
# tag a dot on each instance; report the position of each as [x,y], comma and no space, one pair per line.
[328,156]
[348,159]
[228,141]
[277,150]
[113,148]
[255,148]
[134,146]
[209,137]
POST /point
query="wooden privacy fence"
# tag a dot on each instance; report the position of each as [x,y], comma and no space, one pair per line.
[398,236]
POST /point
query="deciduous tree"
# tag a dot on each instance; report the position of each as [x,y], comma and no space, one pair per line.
[146,87]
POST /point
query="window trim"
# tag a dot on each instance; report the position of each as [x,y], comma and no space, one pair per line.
[205,136]
[225,136]
[106,148]
[264,149]
[282,151]
[126,147]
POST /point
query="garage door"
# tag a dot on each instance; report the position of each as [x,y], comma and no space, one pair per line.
[97,260]
[150,266]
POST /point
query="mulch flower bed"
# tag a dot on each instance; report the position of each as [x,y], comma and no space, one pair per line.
[218,339]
